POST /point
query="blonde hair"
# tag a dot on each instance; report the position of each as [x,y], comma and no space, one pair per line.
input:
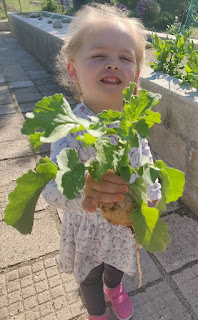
[91,16]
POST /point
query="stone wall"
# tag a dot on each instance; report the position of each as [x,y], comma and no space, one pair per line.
[175,140]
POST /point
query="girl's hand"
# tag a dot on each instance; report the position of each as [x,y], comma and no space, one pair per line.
[110,189]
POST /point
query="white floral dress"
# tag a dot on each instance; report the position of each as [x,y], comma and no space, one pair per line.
[87,239]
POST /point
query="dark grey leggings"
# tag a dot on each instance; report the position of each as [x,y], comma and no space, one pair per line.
[92,287]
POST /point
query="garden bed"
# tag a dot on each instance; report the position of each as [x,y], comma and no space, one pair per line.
[175,140]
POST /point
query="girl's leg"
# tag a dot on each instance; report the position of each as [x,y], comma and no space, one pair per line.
[92,291]
[112,276]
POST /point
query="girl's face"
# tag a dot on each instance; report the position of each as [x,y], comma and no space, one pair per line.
[104,66]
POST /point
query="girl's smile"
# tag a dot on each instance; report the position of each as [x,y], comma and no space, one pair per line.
[104,66]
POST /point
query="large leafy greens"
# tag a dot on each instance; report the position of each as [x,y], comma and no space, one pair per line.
[53,119]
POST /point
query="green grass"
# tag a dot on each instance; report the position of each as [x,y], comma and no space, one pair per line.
[14,5]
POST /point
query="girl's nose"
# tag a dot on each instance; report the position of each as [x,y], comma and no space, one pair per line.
[112,65]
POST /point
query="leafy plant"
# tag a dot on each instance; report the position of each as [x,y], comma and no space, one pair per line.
[170,54]
[49,5]
[146,9]
[53,119]
[175,27]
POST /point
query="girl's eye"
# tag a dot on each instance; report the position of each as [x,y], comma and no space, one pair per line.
[125,58]
[98,56]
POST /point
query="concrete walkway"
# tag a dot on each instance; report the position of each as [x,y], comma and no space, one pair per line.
[31,284]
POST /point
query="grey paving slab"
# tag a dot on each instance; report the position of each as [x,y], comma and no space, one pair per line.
[5,98]
[183,246]
[38,291]
[187,282]
[7,108]
[14,149]
[149,273]
[10,127]
[12,169]
[23,91]
[39,74]
[2,79]
[17,77]
[30,64]
[27,106]
[28,97]
[18,248]
[21,84]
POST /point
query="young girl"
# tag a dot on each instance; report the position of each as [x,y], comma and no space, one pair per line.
[103,52]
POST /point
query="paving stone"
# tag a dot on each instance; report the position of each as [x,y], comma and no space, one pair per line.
[21,84]
[17,77]
[21,91]
[183,246]
[27,106]
[28,97]
[187,282]
[13,168]
[6,99]
[50,262]
[7,124]
[64,314]
[43,239]
[149,273]
[7,109]
[15,149]
[38,74]
[2,79]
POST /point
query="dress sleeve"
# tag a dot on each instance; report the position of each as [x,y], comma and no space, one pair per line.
[50,193]
[153,191]
[135,155]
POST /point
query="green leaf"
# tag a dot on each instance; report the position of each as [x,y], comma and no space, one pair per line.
[105,156]
[139,189]
[142,128]
[150,232]
[173,181]
[150,174]
[22,200]
[126,172]
[55,118]
[128,92]
[87,139]
[70,178]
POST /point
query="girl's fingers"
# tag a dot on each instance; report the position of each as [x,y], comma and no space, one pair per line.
[98,196]
[113,178]
[89,204]
[104,186]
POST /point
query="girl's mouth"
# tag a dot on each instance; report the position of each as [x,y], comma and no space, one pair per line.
[109,80]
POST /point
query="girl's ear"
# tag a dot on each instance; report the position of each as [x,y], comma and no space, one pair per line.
[71,71]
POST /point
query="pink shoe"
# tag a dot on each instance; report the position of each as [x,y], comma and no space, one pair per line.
[103,317]
[121,303]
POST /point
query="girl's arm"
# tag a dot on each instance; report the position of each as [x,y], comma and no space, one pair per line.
[50,193]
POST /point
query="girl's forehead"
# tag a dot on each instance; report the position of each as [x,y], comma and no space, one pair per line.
[109,34]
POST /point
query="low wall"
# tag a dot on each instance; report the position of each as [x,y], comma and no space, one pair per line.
[175,140]
[38,37]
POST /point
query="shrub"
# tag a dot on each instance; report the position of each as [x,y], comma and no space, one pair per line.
[49,5]
[165,18]
[147,10]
